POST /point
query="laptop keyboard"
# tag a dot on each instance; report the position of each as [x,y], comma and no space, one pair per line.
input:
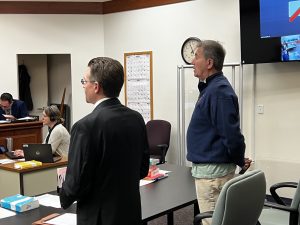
[11,155]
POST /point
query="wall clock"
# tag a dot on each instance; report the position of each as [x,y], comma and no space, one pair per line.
[188,49]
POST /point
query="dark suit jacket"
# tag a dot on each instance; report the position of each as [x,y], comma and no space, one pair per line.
[108,156]
[18,110]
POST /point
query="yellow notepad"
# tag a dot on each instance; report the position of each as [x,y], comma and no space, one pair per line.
[27,164]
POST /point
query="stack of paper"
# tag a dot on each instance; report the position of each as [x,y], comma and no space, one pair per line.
[6,213]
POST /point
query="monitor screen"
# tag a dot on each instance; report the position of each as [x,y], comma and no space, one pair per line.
[279,18]
[269,31]
[290,48]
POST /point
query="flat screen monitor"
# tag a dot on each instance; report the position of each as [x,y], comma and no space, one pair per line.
[269,31]
[279,18]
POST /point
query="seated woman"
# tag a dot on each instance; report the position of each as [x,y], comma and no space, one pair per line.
[57,136]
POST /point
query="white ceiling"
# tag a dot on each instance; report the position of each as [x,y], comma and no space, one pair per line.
[57,0]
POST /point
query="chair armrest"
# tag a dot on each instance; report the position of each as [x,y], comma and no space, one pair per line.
[162,146]
[278,206]
[198,218]
[274,188]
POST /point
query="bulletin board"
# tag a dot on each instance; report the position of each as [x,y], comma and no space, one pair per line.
[138,83]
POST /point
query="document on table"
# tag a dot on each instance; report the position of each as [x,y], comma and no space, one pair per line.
[49,200]
[6,161]
[164,171]
[64,219]
[6,213]
[4,121]
[144,182]
[27,118]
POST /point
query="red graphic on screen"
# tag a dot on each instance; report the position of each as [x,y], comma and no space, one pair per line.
[294,16]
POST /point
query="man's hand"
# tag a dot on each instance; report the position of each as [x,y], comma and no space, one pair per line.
[246,166]
[9,117]
[247,163]
[19,152]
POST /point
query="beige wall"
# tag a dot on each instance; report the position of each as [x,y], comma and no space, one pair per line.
[163,30]
[271,138]
[81,36]
[59,77]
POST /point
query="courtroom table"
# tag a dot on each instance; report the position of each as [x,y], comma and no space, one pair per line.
[30,181]
[21,132]
[160,198]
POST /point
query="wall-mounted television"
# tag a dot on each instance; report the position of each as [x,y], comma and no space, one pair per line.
[270,31]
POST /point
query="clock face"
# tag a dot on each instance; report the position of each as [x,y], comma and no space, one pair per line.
[188,49]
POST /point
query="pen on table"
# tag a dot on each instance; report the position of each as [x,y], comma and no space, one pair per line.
[160,178]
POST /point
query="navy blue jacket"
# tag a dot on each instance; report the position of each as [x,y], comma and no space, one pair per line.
[214,135]
[18,110]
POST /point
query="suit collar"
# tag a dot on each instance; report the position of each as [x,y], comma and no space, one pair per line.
[99,101]
[108,102]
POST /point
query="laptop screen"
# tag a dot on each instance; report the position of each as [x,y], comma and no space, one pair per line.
[38,152]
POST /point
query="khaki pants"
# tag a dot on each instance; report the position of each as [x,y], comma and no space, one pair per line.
[208,191]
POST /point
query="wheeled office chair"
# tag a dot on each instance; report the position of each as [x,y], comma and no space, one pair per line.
[158,132]
[240,202]
[279,212]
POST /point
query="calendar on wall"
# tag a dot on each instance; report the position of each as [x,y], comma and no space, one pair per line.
[138,83]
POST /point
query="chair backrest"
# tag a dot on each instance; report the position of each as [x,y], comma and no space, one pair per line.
[158,132]
[241,200]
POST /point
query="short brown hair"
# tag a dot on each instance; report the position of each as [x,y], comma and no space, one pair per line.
[109,74]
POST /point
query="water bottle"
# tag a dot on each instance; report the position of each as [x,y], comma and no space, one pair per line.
[9,144]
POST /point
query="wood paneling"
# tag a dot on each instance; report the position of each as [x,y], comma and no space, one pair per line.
[51,7]
[27,132]
[10,7]
[126,5]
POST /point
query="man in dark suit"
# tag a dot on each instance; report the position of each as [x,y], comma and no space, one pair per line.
[108,153]
[11,108]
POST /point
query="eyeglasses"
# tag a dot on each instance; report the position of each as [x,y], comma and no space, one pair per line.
[83,81]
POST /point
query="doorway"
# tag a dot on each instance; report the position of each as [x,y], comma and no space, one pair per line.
[50,74]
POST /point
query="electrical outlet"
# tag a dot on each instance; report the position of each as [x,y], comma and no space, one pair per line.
[260,109]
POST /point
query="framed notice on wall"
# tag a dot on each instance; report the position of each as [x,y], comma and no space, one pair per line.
[138,83]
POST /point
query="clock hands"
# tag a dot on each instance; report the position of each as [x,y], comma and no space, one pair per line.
[188,49]
[192,48]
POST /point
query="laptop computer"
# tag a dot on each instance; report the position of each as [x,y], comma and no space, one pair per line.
[12,155]
[39,152]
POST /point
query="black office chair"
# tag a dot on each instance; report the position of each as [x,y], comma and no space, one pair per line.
[280,212]
[158,132]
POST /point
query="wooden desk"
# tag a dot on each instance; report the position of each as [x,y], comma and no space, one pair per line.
[27,132]
[31,181]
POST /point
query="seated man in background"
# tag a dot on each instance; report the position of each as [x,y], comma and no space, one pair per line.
[10,108]
[57,136]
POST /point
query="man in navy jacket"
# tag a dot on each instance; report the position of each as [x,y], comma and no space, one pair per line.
[11,108]
[215,144]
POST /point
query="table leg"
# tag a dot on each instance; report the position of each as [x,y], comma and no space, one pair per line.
[21,184]
[170,218]
[196,209]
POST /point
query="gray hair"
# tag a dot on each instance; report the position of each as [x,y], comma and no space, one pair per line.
[213,50]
